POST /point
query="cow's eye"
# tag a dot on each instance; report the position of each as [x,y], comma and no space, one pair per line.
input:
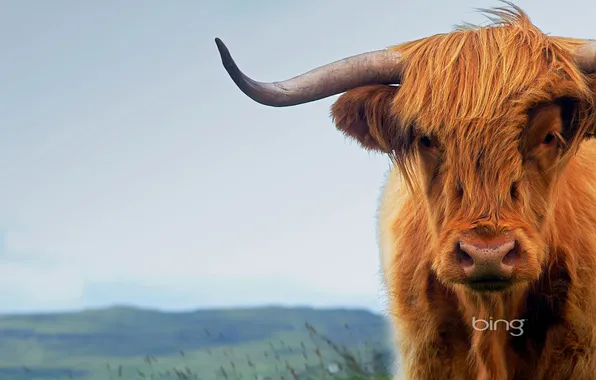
[548,139]
[427,142]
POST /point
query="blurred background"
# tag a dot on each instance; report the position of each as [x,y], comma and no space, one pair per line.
[147,206]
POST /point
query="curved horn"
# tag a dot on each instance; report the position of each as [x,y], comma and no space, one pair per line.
[585,57]
[376,67]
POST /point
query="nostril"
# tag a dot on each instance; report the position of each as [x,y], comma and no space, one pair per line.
[512,256]
[463,258]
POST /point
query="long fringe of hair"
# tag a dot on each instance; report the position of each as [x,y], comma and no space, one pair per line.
[457,84]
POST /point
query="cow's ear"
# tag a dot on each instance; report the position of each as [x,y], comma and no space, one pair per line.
[364,114]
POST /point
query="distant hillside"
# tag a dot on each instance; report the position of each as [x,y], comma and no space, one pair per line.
[124,340]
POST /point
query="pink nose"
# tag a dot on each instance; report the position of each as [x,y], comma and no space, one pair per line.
[488,259]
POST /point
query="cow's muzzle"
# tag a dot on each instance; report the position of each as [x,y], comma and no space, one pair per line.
[487,263]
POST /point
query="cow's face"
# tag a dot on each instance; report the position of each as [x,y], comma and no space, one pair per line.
[489,188]
[489,185]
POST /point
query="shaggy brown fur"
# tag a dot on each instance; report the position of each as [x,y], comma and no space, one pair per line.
[490,133]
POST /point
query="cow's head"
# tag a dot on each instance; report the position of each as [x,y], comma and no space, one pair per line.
[480,122]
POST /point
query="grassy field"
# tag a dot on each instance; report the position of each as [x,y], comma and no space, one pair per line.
[254,343]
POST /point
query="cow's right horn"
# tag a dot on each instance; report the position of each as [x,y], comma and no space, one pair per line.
[376,67]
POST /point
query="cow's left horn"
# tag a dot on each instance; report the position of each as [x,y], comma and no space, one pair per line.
[376,67]
[585,57]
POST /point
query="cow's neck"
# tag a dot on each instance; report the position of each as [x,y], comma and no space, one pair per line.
[496,350]
[488,315]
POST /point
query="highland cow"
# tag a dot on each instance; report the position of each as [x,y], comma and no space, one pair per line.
[488,216]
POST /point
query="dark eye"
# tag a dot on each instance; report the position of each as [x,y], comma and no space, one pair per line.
[459,189]
[513,190]
[548,139]
[426,142]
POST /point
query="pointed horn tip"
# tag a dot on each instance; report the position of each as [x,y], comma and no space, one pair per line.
[223,49]
[226,58]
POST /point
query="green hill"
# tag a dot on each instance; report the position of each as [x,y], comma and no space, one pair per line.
[226,343]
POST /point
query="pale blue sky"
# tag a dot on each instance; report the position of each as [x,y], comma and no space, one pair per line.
[132,170]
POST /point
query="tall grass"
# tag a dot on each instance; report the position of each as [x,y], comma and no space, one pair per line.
[371,362]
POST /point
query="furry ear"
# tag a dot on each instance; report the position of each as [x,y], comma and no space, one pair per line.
[364,114]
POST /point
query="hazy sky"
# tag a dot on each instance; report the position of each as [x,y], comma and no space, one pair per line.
[132,170]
